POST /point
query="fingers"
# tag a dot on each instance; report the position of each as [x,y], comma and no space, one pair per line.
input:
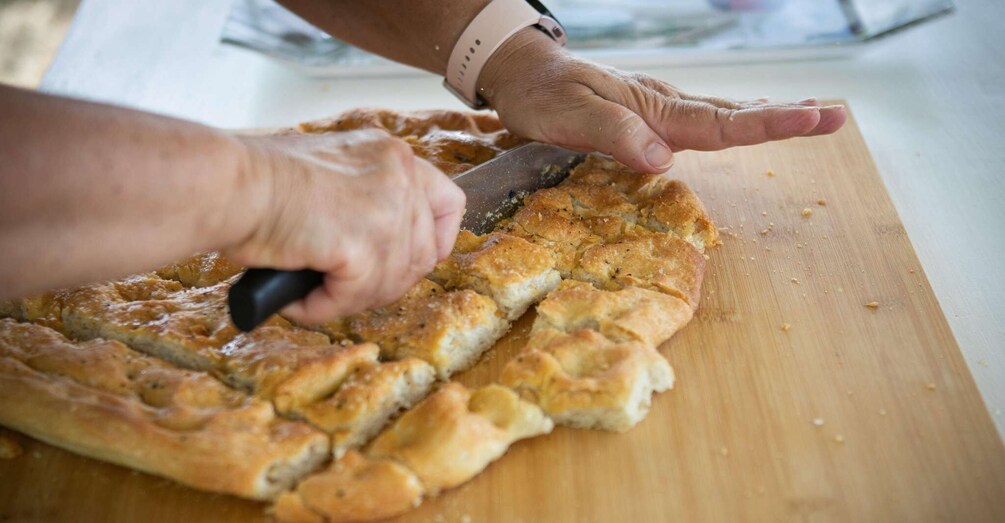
[694,125]
[447,201]
[832,118]
[382,226]
[717,101]
[614,129]
[340,294]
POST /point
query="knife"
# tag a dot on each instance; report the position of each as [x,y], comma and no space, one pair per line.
[494,190]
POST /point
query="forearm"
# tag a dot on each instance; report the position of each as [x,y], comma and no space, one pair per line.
[89,191]
[420,33]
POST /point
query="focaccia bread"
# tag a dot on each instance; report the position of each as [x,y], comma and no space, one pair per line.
[602,201]
[584,380]
[101,399]
[442,442]
[44,309]
[454,141]
[629,314]
[629,245]
[661,262]
[364,394]
[274,361]
[663,204]
[354,488]
[447,329]
[186,327]
[512,271]
[455,433]
[547,219]
[200,270]
[300,371]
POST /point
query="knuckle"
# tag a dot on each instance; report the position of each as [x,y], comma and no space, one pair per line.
[397,149]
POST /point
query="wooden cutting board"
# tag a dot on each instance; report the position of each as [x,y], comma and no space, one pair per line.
[852,414]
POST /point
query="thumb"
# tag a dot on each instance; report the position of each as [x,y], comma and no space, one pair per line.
[613,129]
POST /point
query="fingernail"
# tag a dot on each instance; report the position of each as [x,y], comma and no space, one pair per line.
[659,156]
[810,100]
[839,106]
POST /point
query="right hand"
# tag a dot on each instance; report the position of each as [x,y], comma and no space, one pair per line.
[356,205]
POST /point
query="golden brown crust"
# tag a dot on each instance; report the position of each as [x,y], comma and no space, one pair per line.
[454,141]
[299,370]
[547,220]
[341,389]
[455,433]
[103,400]
[659,262]
[514,272]
[676,209]
[200,270]
[448,330]
[187,327]
[367,398]
[663,205]
[584,380]
[624,315]
[354,488]
[44,309]
[602,170]
[290,366]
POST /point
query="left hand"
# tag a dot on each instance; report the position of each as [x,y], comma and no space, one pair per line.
[543,93]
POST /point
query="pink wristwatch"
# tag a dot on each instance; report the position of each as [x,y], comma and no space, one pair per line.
[495,24]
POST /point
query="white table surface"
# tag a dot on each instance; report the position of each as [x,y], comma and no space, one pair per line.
[930,103]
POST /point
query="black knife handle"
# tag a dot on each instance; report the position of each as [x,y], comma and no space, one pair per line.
[260,293]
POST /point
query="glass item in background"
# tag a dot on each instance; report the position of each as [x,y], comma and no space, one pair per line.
[634,33]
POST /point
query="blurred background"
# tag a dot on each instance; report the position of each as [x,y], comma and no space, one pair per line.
[30,34]
[625,33]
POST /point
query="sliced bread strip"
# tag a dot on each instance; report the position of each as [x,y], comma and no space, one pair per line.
[447,329]
[512,271]
[103,400]
[629,314]
[584,380]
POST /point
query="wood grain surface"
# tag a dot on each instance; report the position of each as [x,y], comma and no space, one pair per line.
[852,414]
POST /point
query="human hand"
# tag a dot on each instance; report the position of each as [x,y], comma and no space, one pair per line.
[545,94]
[356,205]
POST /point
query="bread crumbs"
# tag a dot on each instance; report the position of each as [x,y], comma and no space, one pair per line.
[807,212]
[818,422]
[786,327]
[839,439]
[822,202]
[770,172]
[872,305]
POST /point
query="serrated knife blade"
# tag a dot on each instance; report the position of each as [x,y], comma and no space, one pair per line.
[495,188]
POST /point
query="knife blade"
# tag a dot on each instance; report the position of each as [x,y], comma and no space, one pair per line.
[496,188]
[494,191]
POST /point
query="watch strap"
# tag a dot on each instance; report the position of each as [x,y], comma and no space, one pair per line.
[494,25]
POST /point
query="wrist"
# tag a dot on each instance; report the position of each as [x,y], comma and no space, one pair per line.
[252,188]
[528,50]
